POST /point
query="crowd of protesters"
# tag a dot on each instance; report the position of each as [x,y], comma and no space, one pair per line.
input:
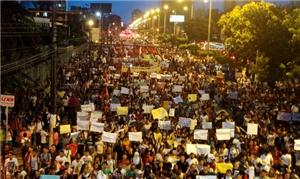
[162,153]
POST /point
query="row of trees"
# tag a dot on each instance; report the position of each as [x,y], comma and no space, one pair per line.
[266,36]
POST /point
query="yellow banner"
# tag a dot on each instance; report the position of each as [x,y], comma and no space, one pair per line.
[223,167]
[122,111]
[192,97]
[64,129]
[159,113]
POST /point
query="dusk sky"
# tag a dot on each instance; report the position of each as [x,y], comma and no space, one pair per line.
[124,8]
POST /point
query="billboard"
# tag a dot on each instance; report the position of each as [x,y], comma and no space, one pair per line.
[176,18]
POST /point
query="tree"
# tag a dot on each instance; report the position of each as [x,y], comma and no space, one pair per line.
[257,28]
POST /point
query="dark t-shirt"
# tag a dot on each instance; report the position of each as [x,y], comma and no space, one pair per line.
[183,166]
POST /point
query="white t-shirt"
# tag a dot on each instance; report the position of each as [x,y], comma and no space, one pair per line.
[63,159]
[10,165]
[287,159]
[266,159]
[44,135]
[192,161]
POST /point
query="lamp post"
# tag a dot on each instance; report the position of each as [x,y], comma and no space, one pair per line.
[90,23]
[209,24]
[192,9]
[158,16]
[174,28]
[166,7]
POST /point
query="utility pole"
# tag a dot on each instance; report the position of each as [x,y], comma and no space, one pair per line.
[209,24]
[53,68]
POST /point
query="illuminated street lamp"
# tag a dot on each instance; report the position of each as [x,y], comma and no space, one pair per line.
[98,14]
[90,23]
[166,7]
[157,10]
[152,11]
[185,8]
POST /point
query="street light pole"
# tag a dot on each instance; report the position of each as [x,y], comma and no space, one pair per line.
[209,23]
[192,9]
[165,19]
[166,7]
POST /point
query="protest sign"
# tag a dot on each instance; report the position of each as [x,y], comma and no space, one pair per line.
[177,88]
[252,129]
[113,107]
[95,115]
[159,113]
[83,125]
[284,116]
[178,99]
[184,122]
[223,134]
[122,111]
[198,149]
[109,137]
[88,107]
[172,112]
[116,92]
[147,108]
[191,148]
[204,97]
[124,90]
[135,136]
[206,125]
[297,144]
[192,97]
[223,167]
[144,89]
[164,125]
[228,125]
[83,116]
[203,149]
[64,129]
[97,127]
[201,134]
[296,116]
